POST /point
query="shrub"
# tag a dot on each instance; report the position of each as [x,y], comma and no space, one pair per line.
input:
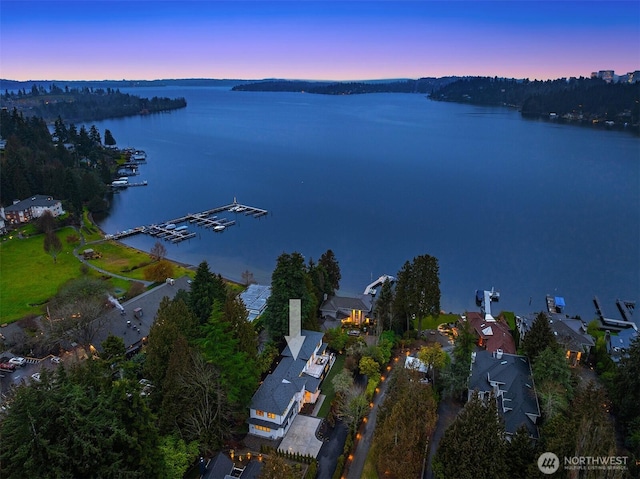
[337,474]
[72,239]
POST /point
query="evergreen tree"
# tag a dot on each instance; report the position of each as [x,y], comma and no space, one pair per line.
[236,315]
[109,140]
[384,308]
[288,281]
[473,447]
[173,320]
[538,338]
[94,135]
[220,347]
[553,380]
[79,423]
[330,265]
[521,455]
[418,289]
[207,289]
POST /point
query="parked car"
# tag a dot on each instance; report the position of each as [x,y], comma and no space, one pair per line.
[36,376]
[18,361]
[7,367]
[55,359]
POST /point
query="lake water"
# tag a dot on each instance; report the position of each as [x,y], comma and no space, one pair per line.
[528,207]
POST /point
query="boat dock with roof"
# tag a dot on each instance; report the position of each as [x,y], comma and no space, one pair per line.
[170,231]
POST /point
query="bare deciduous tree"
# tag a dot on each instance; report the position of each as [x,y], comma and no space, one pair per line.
[158,251]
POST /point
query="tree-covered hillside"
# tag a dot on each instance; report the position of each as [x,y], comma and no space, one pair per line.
[580,100]
[74,169]
[422,85]
[83,104]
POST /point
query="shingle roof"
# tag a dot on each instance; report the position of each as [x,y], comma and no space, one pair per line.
[311,340]
[513,374]
[276,391]
[569,337]
[37,200]
[496,334]
[347,304]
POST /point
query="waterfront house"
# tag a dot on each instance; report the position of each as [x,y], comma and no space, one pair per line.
[618,344]
[294,383]
[509,378]
[255,299]
[356,311]
[33,207]
[570,333]
[492,334]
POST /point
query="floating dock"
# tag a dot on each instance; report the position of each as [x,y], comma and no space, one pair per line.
[170,231]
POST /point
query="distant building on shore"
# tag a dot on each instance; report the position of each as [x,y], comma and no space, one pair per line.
[33,207]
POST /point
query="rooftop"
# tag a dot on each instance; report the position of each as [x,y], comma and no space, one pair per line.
[278,388]
[255,299]
[517,402]
[36,200]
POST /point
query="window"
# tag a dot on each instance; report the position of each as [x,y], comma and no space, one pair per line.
[262,428]
[259,412]
[270,415]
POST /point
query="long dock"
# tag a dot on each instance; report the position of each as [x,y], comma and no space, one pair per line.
[171,231]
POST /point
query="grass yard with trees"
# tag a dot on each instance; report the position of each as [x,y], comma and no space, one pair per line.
[29,277]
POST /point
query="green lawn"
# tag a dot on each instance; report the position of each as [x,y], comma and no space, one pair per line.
[89,230]
[511,319]
[124,260]
[327,387]
[432,323]
[121,259]
[28,275]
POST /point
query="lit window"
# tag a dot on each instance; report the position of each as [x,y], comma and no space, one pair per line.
[262,428]
[259,412]
[270,415]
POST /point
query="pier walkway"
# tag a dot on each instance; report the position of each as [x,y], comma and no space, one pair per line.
[171,231]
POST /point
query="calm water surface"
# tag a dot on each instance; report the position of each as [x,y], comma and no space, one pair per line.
[531,208]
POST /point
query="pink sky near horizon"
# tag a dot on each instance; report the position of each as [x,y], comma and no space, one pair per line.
[81,40]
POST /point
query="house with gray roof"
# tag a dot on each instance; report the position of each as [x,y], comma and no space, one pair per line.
[618,344]
[255,300]
[570,333]
[509,378]
[33,207]
[294,383]
[348,309]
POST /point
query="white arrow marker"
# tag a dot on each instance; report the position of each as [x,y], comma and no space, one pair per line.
[295,340]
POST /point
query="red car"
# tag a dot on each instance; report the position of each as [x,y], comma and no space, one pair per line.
[7,367]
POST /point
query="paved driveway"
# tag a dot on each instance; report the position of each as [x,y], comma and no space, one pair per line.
[301,437]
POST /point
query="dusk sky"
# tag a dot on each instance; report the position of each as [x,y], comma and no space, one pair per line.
[96,40]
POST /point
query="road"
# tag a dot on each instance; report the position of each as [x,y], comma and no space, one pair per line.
[362,446]
[331,449]
[447,412]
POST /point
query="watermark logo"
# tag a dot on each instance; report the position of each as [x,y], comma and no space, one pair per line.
[548,463]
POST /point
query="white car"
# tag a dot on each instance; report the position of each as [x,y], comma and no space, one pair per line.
[36,376]
[55,359]
[18,361]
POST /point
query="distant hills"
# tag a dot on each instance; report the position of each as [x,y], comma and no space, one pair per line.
[14,85]
[585,101]
[422,85]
